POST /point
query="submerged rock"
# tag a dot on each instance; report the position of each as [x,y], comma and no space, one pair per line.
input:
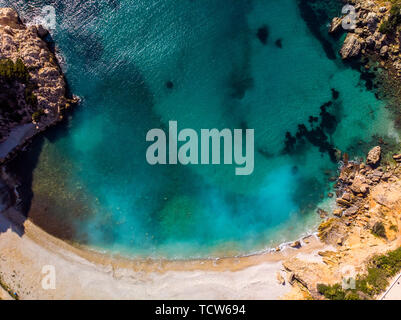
[279,43]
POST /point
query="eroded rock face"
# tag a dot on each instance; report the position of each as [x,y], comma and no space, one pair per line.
[41,96]
[351,48]
[359,184]
[336,25]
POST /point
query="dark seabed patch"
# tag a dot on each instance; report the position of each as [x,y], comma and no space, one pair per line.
[263,34]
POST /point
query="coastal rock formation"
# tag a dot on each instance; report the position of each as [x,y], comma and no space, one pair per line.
[335,25]
[5,196]
[32,87]
[352,47]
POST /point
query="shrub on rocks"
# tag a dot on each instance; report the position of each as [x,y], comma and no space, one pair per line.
[379,230]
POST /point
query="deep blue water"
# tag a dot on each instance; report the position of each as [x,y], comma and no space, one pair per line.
[91,183]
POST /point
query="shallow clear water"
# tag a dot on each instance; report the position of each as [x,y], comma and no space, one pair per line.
[91,182]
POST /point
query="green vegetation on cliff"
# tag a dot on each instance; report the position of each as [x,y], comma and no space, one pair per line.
[393,22]
[381,269]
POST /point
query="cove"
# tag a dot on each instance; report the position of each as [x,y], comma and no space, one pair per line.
[205,64]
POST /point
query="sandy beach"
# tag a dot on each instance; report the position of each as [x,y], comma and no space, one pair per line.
[83,274]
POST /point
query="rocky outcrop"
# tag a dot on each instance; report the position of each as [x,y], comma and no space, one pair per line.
[33,89]
[369,38]
[5,196]
[373,157]
[336,25]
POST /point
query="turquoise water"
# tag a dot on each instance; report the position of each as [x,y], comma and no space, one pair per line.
[91,182]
